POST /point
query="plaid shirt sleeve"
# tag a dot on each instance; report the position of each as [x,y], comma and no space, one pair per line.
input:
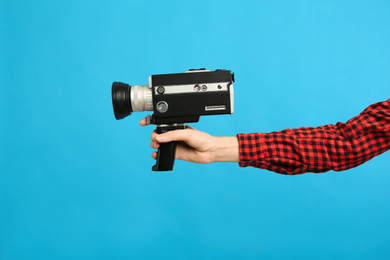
[319,149]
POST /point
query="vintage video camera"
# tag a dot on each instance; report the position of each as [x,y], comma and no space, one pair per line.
[176,99]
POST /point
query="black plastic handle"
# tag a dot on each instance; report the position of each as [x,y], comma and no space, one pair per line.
[166,152]
[165,157]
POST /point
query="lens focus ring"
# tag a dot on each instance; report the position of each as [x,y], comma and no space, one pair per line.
[141,98]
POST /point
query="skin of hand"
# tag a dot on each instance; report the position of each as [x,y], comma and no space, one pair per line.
[196,146]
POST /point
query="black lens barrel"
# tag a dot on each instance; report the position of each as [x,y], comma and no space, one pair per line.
[121,100]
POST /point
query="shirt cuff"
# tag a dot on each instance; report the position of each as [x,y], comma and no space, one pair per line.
[253,150]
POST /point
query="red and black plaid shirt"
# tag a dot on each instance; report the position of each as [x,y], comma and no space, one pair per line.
[320,149]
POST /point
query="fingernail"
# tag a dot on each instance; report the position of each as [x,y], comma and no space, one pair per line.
[160,138]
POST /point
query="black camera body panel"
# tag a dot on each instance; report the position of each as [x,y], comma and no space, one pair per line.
[193,76]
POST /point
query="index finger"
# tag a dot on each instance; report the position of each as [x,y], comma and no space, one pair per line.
[143,122]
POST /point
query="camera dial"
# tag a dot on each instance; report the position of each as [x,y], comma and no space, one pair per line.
[162,106]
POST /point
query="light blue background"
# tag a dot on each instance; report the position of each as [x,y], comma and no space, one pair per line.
[76,184]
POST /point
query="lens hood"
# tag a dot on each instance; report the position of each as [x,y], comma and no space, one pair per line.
[121,100]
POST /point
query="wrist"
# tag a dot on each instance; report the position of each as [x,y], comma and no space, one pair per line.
[226,149]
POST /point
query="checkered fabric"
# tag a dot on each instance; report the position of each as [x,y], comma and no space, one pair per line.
[319,149]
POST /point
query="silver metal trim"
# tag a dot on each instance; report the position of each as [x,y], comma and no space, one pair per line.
[231,99]
[195,71]
[175,124]
[191,88]
[214,108]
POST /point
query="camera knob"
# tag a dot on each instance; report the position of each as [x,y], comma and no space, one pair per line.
[162,106]
[160,90]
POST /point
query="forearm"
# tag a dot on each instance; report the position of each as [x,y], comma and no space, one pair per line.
[319,149]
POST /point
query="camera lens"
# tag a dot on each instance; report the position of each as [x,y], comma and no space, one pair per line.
[121,100]
[127,99]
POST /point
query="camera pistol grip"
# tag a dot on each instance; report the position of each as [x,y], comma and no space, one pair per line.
[166,152]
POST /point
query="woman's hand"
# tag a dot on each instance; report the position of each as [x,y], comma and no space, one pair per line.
[196,146]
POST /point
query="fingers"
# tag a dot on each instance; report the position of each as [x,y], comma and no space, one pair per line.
[176,135]
[153,136]
[143,122]
[154,145]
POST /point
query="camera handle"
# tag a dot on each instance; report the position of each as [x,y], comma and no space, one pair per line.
[166,152]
